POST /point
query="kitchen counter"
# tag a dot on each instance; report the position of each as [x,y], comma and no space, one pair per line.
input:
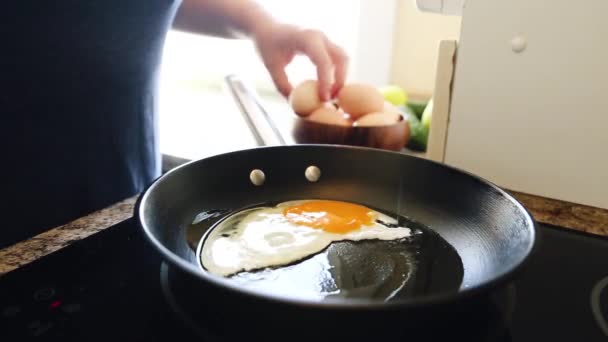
[554,212]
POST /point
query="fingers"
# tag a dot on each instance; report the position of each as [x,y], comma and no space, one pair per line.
[280,79]
[330,60]
[340,60]
[314,45]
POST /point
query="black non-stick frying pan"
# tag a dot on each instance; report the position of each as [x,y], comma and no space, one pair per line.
[490,231]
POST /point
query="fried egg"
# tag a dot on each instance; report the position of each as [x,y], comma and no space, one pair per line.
[264,237]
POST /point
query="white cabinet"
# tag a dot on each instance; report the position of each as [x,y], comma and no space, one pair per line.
[529,99]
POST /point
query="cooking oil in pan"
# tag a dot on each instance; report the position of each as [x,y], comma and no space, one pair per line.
[418,265]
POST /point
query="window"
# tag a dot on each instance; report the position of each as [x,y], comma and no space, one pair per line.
[194,66]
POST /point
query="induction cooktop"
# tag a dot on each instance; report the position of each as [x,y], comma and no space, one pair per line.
[113,286]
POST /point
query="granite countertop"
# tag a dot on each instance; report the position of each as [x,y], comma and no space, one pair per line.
[554,212]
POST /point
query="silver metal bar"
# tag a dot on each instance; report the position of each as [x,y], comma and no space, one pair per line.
[261,124]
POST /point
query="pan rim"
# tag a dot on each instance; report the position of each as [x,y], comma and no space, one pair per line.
[340,303]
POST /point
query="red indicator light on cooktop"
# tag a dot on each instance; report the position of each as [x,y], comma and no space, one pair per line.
[55,304]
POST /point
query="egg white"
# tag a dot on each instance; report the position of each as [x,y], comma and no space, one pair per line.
[262,237]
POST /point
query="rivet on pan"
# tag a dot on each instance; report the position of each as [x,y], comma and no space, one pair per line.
[518,44]
[257,177]
[312,173]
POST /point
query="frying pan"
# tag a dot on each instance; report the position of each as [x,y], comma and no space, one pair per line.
[491,231]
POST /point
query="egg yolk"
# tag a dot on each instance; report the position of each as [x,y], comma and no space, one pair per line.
[330,216]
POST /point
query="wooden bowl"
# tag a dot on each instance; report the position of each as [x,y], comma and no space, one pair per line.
[393,137]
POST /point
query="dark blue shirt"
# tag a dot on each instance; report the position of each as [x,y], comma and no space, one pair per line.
[77,101]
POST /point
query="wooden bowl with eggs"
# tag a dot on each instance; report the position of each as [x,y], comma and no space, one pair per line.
[358,117]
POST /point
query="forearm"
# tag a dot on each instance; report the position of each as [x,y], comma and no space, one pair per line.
[222,18]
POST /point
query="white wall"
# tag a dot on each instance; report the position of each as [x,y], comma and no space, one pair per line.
[372,60]
[416,43]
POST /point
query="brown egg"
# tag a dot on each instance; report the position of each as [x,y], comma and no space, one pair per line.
[378,119]
[330,115]
[304,98]
[359,99]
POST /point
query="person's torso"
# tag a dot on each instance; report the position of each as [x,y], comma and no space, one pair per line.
[77,101]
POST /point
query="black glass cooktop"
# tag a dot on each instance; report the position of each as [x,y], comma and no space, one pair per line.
[113,286]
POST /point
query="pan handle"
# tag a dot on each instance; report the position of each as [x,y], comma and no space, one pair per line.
[260,123]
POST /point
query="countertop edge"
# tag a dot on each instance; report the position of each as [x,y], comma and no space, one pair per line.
[549,211]
[26,251]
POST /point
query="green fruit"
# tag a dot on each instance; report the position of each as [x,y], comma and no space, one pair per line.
[417,107]
[418,138]
[427,115]
[418,133]
[394,94]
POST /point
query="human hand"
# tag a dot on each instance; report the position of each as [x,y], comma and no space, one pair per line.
[278,44]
